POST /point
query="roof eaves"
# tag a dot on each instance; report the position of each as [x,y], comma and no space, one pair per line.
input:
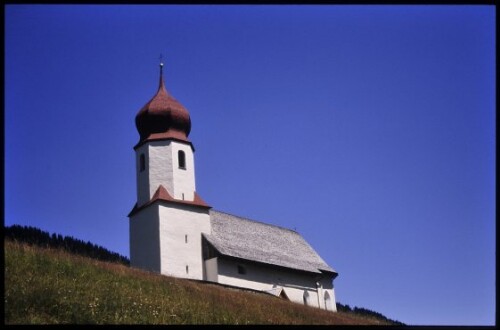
[309,270]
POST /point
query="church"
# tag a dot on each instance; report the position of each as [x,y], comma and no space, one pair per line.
[174,232]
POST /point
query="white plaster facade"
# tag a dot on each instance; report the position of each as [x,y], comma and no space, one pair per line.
[180,240]
[317,289]
[161,167]
[145,239]
[167,239]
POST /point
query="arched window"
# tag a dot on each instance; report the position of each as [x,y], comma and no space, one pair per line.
[182,159]
[328,302]
[306,298]
[142,163]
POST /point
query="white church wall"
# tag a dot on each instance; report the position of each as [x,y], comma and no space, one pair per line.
[328,302]
[160,165]
[263,277]
[162,168]
[183,178]
[180,240]
[329,299]
[145,239]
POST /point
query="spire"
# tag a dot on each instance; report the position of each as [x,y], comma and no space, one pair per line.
[163,116]
[162,83]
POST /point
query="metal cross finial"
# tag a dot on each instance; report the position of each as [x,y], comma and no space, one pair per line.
[161,66]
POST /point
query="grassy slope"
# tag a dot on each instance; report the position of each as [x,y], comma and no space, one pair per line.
[51,286]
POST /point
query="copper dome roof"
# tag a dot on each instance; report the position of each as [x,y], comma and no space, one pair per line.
[163,117]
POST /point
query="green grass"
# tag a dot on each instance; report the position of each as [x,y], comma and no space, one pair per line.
[47,286]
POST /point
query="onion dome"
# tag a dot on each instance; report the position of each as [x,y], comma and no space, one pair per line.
[163,117]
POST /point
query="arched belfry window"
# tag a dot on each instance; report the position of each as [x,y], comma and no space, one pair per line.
[142,163]
[182,159]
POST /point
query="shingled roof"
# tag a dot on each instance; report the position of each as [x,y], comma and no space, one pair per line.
[256,241]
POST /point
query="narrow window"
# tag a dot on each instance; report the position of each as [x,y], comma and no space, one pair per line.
[186,238]
[187,269]
[182,159]
[241,270]
[142,163]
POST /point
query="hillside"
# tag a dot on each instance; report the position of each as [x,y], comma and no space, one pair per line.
[51,286]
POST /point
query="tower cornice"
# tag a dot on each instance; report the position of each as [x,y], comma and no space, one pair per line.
[168,136]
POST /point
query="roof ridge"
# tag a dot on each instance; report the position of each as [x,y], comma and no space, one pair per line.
[251,220]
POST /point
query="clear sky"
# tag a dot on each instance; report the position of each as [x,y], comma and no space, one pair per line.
[368,129]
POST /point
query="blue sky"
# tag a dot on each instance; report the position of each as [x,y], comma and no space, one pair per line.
[368,129]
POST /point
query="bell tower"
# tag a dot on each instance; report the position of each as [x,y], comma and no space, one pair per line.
[169,217]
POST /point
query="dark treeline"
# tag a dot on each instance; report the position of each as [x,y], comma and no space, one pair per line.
[365,312]
[35,236]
